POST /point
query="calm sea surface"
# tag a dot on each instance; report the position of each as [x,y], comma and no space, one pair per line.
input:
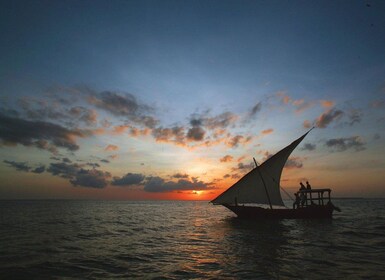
[184,240]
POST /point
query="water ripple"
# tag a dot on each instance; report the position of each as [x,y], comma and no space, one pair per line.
[186,240]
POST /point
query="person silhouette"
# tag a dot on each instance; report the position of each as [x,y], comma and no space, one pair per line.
[308,185]
[297,201]
[302,186]
[303,199]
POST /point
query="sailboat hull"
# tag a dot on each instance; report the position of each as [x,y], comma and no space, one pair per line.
[258,213]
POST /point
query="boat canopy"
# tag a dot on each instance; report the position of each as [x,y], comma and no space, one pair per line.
[262,184]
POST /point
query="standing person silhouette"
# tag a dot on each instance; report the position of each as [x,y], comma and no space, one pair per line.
[308,185]
[297,201]
[302,187]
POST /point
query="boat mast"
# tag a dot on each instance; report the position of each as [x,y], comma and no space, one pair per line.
[264,184]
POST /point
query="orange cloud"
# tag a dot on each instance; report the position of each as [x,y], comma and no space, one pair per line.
[238,139]
[307,124]
[135,132]
[241,158]
[120,129]
[267,131]
[226,158]
[284,97]
[327,103]
[111,148]
[98,131]
[299,104]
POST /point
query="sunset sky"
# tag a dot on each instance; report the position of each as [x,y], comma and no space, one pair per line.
[173,99]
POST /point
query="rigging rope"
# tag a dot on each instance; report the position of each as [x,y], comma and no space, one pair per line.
[281,187]
[287,193]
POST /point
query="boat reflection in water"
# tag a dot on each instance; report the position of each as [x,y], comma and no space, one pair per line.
[262,186]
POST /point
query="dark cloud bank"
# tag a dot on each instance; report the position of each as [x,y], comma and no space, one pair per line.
[343,144]
[77,175]
[40,134]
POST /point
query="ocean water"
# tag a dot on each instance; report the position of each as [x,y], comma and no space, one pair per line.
[186,240]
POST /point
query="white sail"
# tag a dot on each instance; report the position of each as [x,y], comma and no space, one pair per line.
[254,186]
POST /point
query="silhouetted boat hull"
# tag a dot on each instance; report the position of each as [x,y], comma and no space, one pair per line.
[258,213]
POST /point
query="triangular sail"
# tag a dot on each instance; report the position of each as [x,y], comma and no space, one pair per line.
[250,188]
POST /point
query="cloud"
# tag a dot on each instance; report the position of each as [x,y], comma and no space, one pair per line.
[123,104]
[23,166]
[267,131]
[328,117]
[256,108]
[135,132]
[52,109]
[285,99]
[88,116]
[41,109]
[174,135]
[39,169]
[308,147]
[63,169]
[299,104]
[378,104]
[226,158]
[43,135]
[91,178]
[293,162]
[235,176]
[244,167]
[220,121]
[66,160]
[110,148]
[327,103]
[202,125]
[55,158]
[120,129]
[78,176]
[241,158]
[19,166]
[128,180]
[343,144]
[196,133]
[355,116]
[238,139]
[307,124]
[203,131]
[147,121]
[180,176]
[223,120]
[157,184]
[114,103]
[92,164]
